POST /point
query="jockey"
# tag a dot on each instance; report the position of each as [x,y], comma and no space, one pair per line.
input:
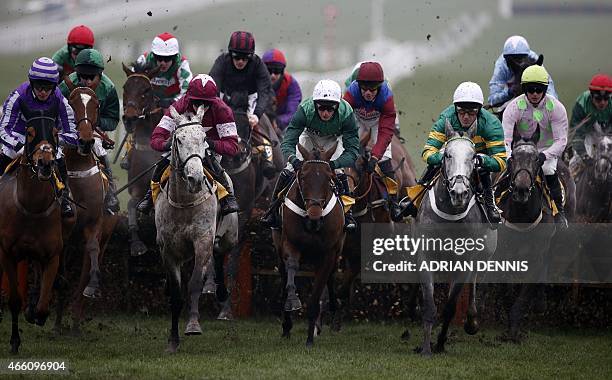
[516,55]
[536,108]
[321,121]
[89,73]
[595,105]
[241,70]
[170,82]
[353,77]
[372,102]
[39,93]
[489,139]
[286,88]
[79,38]
[222,138]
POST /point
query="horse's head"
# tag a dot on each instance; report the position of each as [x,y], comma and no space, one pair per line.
[41,144]
[138,97]
[189,142]
[458,164]
[523,165]
[315,179]
[602,149]
[85,104]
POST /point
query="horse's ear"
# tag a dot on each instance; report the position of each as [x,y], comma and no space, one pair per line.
[448,129]
[152,72]
[69,83]
[536,135]
[471,132]
[305,153]
[126,70]
[540,60]
[327,155]
[597,128]
[200,113]
[174,113]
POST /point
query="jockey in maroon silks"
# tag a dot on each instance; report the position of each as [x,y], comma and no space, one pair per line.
[222,137]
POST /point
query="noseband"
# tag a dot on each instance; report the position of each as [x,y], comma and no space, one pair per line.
[449,183]
[183,163]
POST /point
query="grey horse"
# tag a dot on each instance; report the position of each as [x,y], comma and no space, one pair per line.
[186,218]
[451,202]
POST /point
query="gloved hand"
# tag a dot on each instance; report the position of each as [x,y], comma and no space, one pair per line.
[295,162]
[479,160]
[18,147]
[253,120]
[107,145]
[168,144]
[371,166]
[541,158]
[333,165]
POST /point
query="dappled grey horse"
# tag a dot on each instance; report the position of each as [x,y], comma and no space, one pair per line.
[186,214]
[594,181]
[452,202]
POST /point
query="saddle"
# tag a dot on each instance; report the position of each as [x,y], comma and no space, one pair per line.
[221,191]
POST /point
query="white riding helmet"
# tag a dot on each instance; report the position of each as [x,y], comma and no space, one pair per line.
[165,45]
[468,92]
[327,89]
[516,45]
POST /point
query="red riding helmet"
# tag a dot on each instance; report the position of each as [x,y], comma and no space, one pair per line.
[242,42]
[370,72]
[81,35]
[601,82]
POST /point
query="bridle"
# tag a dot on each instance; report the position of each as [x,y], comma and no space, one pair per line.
[532,180]
[175,151]
[449,183]
[145,111]
[321,202]
[45,148]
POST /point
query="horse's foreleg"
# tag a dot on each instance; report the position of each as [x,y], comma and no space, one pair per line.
[62,287]
[14,300]
[287,322]
[137,247]
[292,265]
[447,314]
[429,313]
[210,286]
[322,277]
[203,251]
[46,286]
[233,260]
[472,325]
[92,248]
[176,304]
[516,311]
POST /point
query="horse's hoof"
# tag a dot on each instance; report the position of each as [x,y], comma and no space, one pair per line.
[439,348]
[286,335]
[14,349]
[426,353]
[405,336]
[172,348]
[42,319]
[193,328]
[293,304]
[318,330]
[225,315]
[91,292]
[471,327]
[138,248]
[309,343]
[29,315]
[209,288]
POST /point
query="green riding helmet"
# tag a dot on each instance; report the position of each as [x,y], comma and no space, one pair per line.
[89,62]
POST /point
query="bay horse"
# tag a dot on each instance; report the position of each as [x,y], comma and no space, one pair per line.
[528,218]
[243,169]
[141,114]
[186,219]
[451,202]
[313,231]
[93,226]
[31,227]
[594,182]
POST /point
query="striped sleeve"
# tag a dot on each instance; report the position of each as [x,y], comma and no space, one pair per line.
[10,116]
[494,146]
[431,151]
[65,122]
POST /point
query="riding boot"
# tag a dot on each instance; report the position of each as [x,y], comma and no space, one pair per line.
[386,167]
[271,217]
[410,209]
[487,195]
[146,203]
[554,185]
[66,207]
[229,203]
[350,225]
[111,203]
[4,162]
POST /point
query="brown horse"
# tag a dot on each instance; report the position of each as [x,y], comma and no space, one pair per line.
[93,227]
[141,115]
[31,226]
[313,230]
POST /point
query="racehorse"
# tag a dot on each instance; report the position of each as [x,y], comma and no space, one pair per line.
[528,218]
[186,219]
[313,230]
[141,114]
[31,227]
[245,169]
[450,202]
[594,182]
[93,227]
